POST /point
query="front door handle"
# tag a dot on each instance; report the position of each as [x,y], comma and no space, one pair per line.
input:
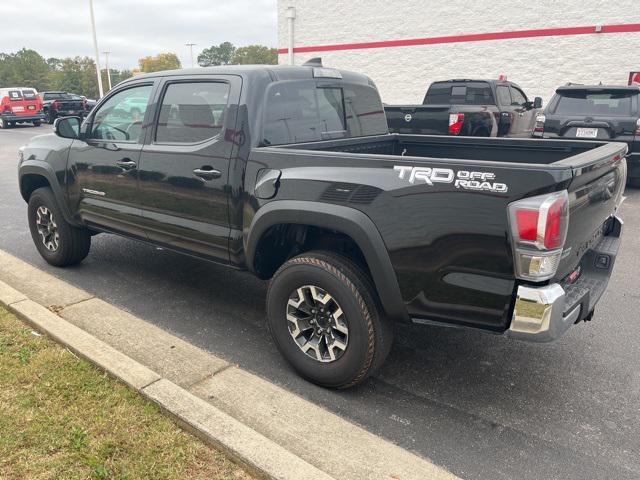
[127,164]
[207,173]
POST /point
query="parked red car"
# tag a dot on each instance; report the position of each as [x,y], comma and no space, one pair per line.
[20,105]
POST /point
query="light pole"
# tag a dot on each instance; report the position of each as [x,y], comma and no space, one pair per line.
[106,61]
[190,45]
[95,48]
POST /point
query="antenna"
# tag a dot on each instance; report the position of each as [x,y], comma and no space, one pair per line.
[314,62]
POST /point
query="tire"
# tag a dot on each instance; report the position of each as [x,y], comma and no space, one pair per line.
[63,244]
[3,124]
[37,123]
[48,117]
[369,334]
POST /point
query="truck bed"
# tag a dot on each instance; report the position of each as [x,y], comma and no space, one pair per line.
[502,150]
[449,242]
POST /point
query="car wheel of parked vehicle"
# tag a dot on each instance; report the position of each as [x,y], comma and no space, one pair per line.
[326,321]
[3,124]
[37,123]
[48,117]
[59,243]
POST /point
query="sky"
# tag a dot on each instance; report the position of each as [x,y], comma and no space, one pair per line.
[131,29]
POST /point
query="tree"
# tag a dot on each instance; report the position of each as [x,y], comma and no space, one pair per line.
[255,55]
[217,55]
[77,75]
[162,61]
[25,68]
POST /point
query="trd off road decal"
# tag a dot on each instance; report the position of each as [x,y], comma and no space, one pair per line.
[467,180]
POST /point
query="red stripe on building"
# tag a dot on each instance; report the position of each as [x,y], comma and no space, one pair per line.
[474,37]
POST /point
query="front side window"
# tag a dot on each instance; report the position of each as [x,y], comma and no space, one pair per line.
[192,112]
[120,118]
[583,103]
[517,97]
[304,112]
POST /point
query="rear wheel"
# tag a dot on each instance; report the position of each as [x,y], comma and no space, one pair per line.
[3,123]
[325,319]
[57,241]
[48,117]
[37,123]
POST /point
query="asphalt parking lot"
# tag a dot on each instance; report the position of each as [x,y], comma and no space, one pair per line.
[482,406]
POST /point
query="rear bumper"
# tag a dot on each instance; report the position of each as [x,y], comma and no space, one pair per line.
[22,118]
[543,314]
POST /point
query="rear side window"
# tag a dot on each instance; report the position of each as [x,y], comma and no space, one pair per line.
[583,102]
[15,95]
[192,112]
[305,112]
[469,93]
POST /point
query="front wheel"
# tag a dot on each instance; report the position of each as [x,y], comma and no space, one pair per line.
[325,319]
[58,242]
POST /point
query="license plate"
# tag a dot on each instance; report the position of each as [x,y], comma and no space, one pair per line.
[587,133]
[31,107]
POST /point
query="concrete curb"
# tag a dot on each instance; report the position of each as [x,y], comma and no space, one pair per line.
[270,430]
[257,453]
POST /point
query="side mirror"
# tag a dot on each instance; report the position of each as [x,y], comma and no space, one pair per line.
[537,102]
[67,127]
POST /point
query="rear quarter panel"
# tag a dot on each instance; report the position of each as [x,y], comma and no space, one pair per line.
[449,247]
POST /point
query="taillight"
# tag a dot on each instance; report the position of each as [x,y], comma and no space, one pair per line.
[538,230]
[538,129]
[7,108]
[455,123]
[55,105]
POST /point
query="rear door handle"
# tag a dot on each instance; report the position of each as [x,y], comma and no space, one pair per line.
[127,164]
[207,173]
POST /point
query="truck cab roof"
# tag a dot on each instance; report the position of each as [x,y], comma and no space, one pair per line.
[274,72]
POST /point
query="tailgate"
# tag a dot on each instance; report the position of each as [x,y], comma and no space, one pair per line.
[418,119]
[595,192]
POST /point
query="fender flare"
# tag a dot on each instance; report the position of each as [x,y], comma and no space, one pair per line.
[43,169]
[346,220]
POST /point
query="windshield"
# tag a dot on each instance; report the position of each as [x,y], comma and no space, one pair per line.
[57,96]
[583,102]
[467,93]
[305,112]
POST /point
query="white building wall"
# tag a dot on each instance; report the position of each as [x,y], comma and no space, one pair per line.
[402,74]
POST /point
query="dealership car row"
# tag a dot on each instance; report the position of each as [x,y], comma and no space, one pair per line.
[27,105]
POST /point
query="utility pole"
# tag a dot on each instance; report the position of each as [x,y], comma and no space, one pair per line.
[190,45]
[106,55]
[95,48]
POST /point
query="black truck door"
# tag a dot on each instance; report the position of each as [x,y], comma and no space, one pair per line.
[104,162]
[184,166]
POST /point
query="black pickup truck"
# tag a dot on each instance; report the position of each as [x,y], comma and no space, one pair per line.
[290,173]
[475,108]
[596,112]
[61,104]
